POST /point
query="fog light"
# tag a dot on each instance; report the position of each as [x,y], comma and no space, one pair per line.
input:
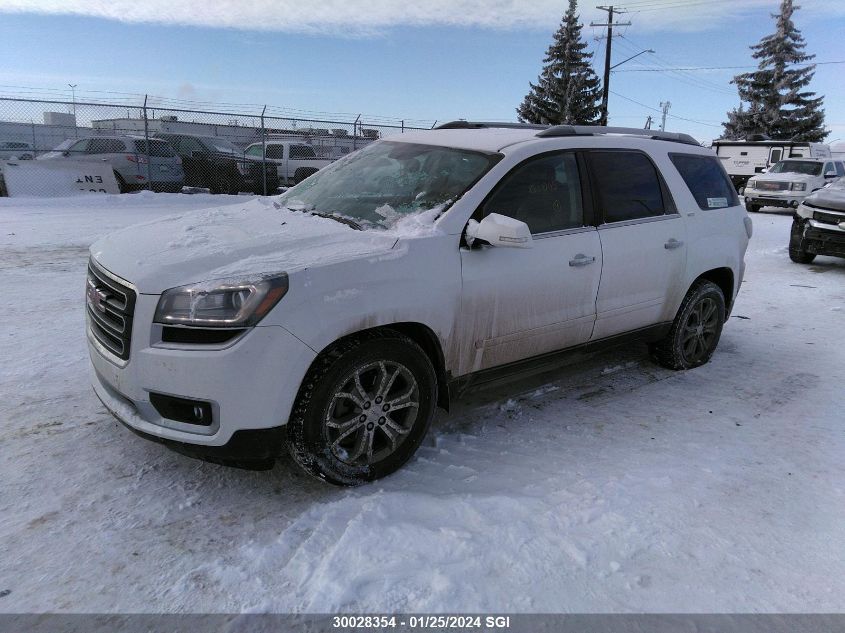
[182,409]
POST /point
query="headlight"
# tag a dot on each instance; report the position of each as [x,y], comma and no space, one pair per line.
[751,184]
[798,186]
[236,302]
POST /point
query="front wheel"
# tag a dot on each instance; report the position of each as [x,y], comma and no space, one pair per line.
[796,253]
[363,409]
[752,208]
[695,331]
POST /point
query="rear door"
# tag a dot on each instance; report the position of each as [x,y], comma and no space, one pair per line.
[519,303]
[115,152]
[642,241]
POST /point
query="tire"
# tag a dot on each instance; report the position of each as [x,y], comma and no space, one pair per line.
[752,208]
[796,253]
[302,173]
[340,430]
[695,331]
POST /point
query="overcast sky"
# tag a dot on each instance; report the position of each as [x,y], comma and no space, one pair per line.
[438,59]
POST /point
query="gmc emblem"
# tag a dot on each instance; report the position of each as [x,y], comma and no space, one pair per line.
[96,297]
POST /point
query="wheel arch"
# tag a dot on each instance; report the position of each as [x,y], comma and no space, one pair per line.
[724,278]
[423,336]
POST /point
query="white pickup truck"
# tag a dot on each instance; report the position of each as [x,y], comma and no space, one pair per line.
[295,161]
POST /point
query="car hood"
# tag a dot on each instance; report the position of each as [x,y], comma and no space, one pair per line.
[239,240]
[831,198]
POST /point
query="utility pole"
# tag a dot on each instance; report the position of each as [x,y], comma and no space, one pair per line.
[665,105]
[606,86]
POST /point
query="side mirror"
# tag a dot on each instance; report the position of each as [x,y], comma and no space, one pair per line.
[66,153]
[500,230]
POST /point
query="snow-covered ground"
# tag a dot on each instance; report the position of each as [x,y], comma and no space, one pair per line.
[607,485]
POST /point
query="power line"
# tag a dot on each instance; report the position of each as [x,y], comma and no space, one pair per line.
[693,68]
[673,116]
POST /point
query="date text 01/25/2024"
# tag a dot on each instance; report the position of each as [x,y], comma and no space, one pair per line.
[421,622]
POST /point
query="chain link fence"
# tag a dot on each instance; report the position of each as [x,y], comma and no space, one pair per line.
[58,147]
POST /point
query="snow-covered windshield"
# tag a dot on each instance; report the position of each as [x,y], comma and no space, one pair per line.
[810,168]
[387,180]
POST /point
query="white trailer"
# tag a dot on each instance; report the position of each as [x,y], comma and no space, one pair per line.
[743,159]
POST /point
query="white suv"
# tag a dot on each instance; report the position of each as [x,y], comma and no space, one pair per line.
[335,318]
[789,181]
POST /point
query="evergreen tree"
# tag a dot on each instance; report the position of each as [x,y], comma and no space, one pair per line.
[567,90]
[778,105]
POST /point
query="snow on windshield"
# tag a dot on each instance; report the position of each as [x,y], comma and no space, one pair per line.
[391,185]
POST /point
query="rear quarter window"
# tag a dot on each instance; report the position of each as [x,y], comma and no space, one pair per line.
[706,180]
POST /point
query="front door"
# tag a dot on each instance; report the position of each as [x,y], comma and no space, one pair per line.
[518,303]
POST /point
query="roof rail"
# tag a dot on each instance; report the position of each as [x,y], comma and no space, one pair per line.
[476,125]
[592,130]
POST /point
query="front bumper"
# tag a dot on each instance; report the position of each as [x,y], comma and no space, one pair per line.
[251,383]
[774,198]
[822,241]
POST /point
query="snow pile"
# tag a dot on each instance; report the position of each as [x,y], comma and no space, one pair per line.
[411,225]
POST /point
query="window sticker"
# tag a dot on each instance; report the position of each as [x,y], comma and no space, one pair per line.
[717,203]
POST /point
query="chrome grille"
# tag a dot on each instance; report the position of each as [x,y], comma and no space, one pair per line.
[768,185]
[110,305]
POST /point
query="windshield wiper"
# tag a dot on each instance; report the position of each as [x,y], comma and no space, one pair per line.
[338,218]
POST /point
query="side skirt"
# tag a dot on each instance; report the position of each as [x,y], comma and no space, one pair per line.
[552,360]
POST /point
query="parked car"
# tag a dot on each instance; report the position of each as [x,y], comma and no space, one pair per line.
[435,258]
[219,165]
[818,226]
[746,159]
[788,182]
[135,167]
[294,161]
[16,150]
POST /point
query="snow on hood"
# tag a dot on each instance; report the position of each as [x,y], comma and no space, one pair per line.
[244,239]
[831,198]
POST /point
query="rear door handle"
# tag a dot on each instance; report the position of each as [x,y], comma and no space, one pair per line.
[673,244]
[581,260]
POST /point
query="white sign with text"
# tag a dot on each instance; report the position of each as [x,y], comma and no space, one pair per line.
[52,179]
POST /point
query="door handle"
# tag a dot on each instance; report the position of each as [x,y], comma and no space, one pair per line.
[581,260]
[673,244]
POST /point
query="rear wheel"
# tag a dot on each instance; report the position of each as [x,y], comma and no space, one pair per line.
[695,331]
[796,253]
[302,173]
[363,409]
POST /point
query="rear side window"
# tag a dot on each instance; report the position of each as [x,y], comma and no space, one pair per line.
[158,148]
[298,152]
[106,146]
[840,169]
[627,186]
[706,179]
